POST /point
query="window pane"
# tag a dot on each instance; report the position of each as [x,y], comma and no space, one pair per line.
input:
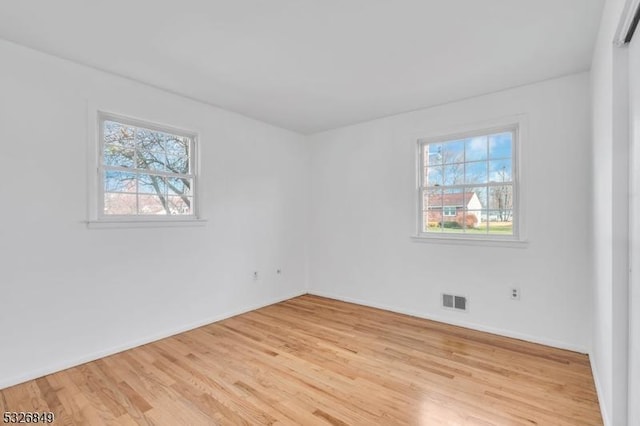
[476,198]
[162,152]
[476,172]
[435,176]
[180,205]
[149,140]
[500,171]
[484,221]
[500,145]
[177,154]
[501,197]
[451,212]
[118,135]
[116,204]
[432,210]
[151,160]
[500,222]
[115,155]
[472,222]
[433,154]
[178,162]
[453,174]
[432,198]
[152,184]
[116,181]
[177,144]
[430,225]
[151,204]
[453,152]
[476,149]
[179,186]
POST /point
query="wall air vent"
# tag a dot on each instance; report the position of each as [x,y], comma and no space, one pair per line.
[458,303]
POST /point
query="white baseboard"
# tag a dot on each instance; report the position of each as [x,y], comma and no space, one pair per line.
[473,326]
[596,379]
[56,367]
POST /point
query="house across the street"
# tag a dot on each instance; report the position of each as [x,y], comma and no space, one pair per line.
[452,207]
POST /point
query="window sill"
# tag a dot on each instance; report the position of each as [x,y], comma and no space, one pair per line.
[455,240]
[151,223]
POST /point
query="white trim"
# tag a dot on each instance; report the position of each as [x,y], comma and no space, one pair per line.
[145,222]
[145,124]
[93,160]
[633,369]
[447,320]
[54,368]
[628,14]
[489,129]
[460,239]
[599,391]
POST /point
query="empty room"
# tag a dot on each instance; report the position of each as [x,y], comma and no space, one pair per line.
[305,212]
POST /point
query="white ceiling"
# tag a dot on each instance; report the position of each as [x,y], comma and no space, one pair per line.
[312,65]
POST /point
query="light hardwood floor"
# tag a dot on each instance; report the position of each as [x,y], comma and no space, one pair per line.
[312,360]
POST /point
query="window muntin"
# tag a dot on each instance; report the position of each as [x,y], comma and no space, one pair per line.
[473,175]
[145,171]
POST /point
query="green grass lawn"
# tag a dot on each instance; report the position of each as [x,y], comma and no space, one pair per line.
[495,228]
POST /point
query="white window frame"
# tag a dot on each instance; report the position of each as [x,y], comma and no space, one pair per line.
[98,219]
[518,126]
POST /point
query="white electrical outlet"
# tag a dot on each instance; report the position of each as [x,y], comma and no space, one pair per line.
[255,275]
[515,293]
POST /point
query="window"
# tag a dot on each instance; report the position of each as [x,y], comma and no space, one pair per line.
[145,171]
[468,185]
[448,211]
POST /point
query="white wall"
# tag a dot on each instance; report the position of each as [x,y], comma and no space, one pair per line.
[610,229]
[363,214]
[70,294]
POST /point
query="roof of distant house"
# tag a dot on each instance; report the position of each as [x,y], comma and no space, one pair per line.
[450,200]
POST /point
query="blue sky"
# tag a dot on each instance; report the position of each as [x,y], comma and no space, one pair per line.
[492,152]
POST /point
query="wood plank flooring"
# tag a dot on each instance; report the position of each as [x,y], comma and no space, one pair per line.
[312,360]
